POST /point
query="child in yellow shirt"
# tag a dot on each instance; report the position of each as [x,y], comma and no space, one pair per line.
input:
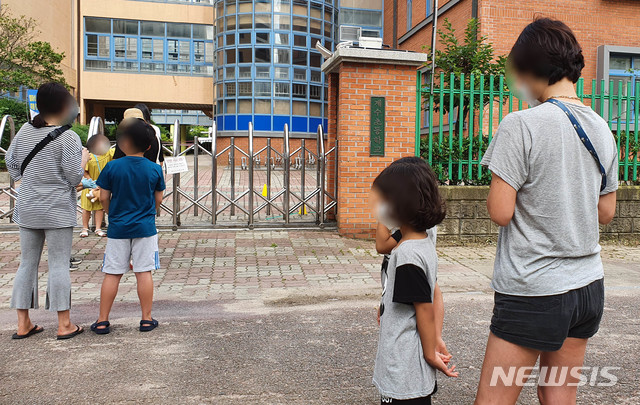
[100,154]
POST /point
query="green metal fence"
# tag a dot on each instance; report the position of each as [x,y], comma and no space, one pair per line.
[457,120]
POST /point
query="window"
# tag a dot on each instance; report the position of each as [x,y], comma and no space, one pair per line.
[363,18]
[244,38]
[281,89]
[99,25]
[409,14]
[263,89]
[263,72]
[300,74]
[299,57]
[150,47]
[263,55]
[262,37]
[125,27]
[245,89]
[624,76]
[299,90]
[150,28]
[281,56]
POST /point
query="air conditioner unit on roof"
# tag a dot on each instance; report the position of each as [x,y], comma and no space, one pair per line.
[350,33]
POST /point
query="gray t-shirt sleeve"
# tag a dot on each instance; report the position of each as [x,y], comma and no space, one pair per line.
[508,153]
[612,169]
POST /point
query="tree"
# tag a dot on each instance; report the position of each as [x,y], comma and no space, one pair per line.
[474,55]
[470,55]
[25,61]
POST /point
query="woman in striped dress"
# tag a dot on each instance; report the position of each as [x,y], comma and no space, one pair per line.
[46,207]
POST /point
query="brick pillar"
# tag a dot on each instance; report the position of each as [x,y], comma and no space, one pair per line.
[355,75]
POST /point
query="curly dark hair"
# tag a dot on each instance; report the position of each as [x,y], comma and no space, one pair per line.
[410,187]
[548,49]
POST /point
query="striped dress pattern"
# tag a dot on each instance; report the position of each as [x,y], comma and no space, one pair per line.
[46,195]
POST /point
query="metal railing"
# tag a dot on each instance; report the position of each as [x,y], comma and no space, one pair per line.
[457,119]
[10,191]
[235,199]
[96,126]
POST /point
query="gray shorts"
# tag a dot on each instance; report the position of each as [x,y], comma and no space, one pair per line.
[141,252]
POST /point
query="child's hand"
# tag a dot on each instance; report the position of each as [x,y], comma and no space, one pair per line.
[441,349]
[88,183]
[436,361]
[378,313]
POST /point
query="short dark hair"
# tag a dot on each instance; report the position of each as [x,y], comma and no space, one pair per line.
[548,49]
[94,140]
[145,111]
[138,132]
[52,99]
[410,187]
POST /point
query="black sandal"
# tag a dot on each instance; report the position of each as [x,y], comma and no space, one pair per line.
[147,326]
[73,334]
[101,331]
[33,331]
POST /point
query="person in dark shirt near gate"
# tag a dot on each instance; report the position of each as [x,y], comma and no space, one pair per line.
[154,153]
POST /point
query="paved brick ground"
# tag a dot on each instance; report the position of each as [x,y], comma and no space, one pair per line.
[262,265]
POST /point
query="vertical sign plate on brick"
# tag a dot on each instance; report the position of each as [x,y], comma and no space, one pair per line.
[377,126]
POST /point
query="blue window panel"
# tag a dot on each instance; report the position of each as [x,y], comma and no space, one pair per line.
[325,124]
[409,14]
[262,122]
[243,122]
[229,123]
[429,7]
[314,123]
[151,51]
[279,121]
[299,124]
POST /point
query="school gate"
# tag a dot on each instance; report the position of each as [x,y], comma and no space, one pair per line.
[241,182]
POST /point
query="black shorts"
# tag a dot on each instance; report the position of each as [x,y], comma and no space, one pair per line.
[543,323]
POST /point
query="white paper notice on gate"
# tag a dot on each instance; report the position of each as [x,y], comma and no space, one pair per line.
[176,164]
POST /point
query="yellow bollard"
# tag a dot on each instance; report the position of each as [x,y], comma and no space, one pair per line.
[264,191]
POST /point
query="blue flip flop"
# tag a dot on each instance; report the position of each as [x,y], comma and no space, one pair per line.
[96,328]
[147,326]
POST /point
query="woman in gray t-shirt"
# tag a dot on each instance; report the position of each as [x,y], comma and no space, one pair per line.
[548,194]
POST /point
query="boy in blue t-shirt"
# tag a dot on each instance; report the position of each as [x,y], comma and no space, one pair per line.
[132,188]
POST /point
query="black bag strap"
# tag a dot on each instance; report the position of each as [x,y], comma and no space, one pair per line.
[584,138]
[44,142]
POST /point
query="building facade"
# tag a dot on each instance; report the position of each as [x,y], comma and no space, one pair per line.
[235,61]
[122,52]
[267,68]
[607,30]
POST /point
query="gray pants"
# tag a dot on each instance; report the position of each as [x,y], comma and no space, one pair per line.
[25,284]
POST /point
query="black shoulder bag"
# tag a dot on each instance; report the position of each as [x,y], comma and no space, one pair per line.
[44,142]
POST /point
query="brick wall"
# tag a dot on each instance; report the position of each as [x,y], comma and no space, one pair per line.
[357,83]
[468,219]
[595,23]
[458,15]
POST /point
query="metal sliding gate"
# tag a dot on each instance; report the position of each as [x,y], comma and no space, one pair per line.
[251,181]
[240,181]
